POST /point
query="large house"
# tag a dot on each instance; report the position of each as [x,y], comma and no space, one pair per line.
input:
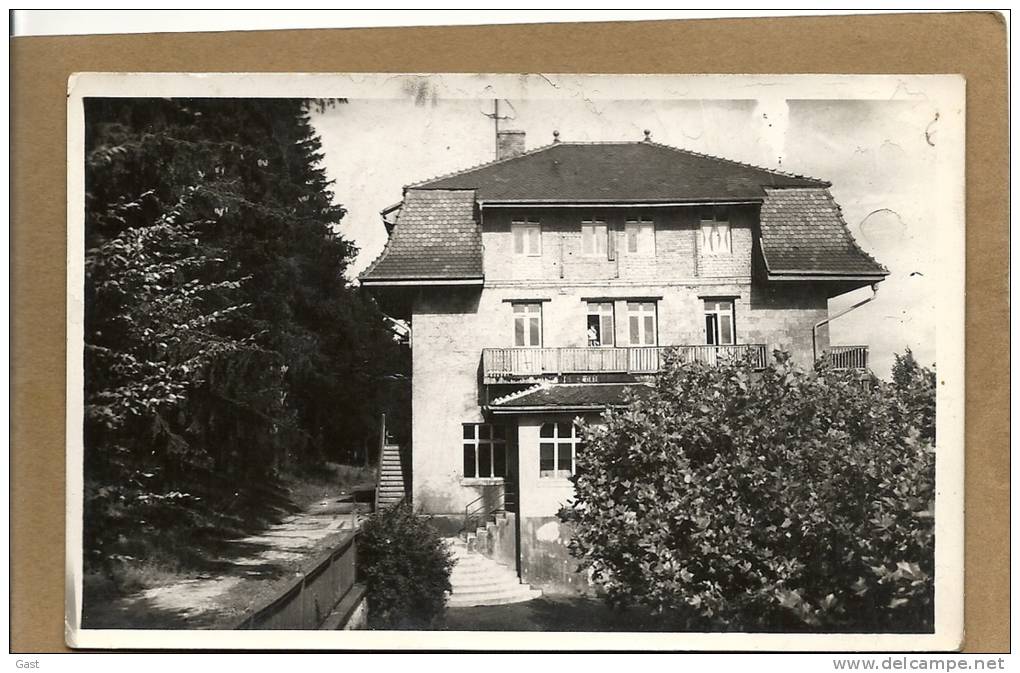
[542,286]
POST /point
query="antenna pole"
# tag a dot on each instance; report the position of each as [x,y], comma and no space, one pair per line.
[495,119]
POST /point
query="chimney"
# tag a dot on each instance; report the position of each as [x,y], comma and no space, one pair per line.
[509,144]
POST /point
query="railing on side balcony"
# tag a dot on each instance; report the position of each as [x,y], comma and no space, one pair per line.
[514,363]
[847,357]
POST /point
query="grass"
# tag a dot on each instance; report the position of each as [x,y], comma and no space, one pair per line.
[325,481]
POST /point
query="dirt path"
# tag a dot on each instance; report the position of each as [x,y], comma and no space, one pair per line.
[249,572]
[553,613]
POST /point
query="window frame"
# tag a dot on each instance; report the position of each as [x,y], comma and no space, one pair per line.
[716,219]
[491,443]
[599,309]
[530,232]
[715,314]
[636,225]
[573,440]
[594,224]
[641,313]
[527,317]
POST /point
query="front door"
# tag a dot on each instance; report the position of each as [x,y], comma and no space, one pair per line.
[511,488]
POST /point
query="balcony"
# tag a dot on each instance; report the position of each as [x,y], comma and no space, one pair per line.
[847,358]
[513,365]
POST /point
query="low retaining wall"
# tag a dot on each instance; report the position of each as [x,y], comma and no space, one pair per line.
[498,539]
[546,561]
[326,596]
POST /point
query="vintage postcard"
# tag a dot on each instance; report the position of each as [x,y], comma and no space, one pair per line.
[528,362]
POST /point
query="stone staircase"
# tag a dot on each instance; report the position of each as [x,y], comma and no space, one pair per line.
[390,488]
[479,580]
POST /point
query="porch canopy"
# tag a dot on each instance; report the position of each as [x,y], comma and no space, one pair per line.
[568,397]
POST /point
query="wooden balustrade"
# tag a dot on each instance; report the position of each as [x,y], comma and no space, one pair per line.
[506,364]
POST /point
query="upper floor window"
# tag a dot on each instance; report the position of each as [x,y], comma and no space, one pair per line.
[601,324]
[557,446]
[484,450]
[715,232]
[719,328]
[594,238]
[641,317]
[527,324]
[640,235]
[527,235]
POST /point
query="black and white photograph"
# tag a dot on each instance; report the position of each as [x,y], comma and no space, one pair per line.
[535,361]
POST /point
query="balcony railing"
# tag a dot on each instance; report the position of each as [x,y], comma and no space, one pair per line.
[502,364]
[847,357]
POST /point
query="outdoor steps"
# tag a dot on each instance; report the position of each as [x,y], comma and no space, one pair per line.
[478,580]
[390,487]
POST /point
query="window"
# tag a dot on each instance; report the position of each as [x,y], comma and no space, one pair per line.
[600,326]
[484,450]
[594,238]
[557,448]
[527,237]
[641,315]
[527,325]
[719,328]
[715,232]
[640,234]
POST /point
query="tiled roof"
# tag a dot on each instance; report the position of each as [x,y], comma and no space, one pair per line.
[613,172]
[803,232]
[435,237]
[570,396]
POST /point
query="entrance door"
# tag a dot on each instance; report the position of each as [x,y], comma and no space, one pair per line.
[511,487]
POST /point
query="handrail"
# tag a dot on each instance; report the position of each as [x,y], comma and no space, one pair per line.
[379,461]
[477,510]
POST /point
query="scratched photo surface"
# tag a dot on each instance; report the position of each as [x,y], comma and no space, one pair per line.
[642,360]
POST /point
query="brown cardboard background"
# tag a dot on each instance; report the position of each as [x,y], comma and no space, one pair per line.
[972,44]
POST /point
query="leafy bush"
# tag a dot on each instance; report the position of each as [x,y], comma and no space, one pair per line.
[406,567]
[780,500]
[915,388]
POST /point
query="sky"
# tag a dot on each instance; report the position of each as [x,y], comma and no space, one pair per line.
[881,157]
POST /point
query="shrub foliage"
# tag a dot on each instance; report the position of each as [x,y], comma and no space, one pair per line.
[406,568]
[779,500]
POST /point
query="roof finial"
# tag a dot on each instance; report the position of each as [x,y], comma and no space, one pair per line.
[556,136]
[648,134]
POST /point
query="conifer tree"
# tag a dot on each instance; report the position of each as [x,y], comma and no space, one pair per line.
[223,343]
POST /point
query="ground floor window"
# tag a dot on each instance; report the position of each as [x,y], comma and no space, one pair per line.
[484,450]
[558,443]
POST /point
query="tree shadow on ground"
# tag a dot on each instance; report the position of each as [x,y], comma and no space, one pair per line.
[555,613]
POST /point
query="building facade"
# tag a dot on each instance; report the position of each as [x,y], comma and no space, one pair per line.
[544,287]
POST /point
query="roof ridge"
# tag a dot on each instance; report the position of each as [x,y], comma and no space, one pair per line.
[484,164]
[745,164]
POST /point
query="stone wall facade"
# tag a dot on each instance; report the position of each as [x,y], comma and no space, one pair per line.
[451,326]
